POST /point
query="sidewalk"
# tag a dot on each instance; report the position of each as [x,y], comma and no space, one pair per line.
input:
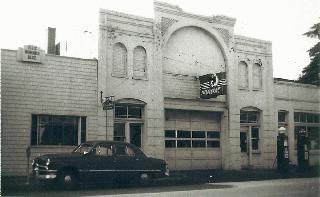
[189,177]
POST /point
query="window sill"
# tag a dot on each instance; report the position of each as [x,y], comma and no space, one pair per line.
[256,152]
[257,89]
[143,78]
[243,88]
[119,76]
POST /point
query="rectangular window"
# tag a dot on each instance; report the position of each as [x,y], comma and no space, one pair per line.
[134,112]
[248,117]
[282,117]
[128,111]
[314,137]
[255,138]
[170,133]
[213,134]
[57,130]
[183,143]
[83,129]
[119,132]
[198,143]
[213,144]
[170,143]
[194,139]
[183,134]
[252,117]
[120,111]
[303,117]
[243,141]
[296,117]
[198,134]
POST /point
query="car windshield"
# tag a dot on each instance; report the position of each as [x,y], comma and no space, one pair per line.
[83,148]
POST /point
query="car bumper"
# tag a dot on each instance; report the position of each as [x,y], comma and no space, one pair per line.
[44,174]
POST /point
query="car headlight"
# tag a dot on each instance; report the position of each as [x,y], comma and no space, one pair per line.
[48,162]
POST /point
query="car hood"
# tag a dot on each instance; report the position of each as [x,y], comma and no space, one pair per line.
[59,156]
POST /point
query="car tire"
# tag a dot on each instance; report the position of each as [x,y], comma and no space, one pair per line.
[145,179]
[67,180]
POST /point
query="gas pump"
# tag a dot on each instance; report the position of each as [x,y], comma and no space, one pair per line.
[303,150]
[282,152]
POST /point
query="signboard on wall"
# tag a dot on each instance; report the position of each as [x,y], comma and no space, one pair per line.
[30,53]
[212,85]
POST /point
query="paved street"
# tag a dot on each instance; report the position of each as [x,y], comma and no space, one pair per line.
[299,187]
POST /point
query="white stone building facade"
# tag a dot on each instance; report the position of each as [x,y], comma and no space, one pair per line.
[152,68]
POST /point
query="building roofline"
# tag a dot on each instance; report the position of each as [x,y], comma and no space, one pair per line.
[69,57]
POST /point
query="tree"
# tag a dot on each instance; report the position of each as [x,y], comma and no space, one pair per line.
[311,73]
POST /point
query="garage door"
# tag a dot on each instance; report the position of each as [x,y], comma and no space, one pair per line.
[192,139]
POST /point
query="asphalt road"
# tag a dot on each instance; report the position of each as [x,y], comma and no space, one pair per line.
[299,187]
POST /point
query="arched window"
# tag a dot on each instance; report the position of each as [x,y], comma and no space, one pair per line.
[243,75]
[139,62]
[119,60]
[257,76]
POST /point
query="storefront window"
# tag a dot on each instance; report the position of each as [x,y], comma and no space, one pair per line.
[57,130]
[308,122]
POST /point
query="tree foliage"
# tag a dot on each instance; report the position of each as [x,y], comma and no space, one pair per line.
[311,73]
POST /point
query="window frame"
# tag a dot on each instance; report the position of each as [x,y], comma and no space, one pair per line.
[81,126]
[192,139]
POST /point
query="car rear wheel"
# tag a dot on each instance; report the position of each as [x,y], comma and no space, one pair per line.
[67,180]
[145,179]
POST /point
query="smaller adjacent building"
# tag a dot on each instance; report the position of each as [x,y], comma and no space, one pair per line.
[48,103]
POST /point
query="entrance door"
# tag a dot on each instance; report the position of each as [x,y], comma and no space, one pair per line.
[244,146]
[129,132]
[135,134]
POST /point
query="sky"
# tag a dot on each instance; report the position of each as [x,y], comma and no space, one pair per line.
[76,21]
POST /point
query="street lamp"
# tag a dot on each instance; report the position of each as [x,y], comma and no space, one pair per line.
[282,130]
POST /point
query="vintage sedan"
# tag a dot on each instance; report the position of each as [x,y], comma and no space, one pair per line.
[99,161]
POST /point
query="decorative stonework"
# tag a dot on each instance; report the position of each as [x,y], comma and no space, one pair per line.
[224,34]
[257,61]
[111,32]
[158,35]
[166,23]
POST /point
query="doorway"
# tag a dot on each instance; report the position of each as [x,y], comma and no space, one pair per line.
[135,134]
[128,132]
[244,146]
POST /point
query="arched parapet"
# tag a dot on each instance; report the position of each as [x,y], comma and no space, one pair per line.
[214,33]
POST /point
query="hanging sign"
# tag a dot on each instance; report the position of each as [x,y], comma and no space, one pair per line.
[212,85]
[108,103]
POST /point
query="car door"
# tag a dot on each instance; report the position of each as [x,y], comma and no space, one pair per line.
[126,162]
[102,166]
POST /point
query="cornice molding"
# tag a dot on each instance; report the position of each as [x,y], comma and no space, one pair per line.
[114,31]
[246,52]
[295,100]
[223,20]
[130,23]
[125,15]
